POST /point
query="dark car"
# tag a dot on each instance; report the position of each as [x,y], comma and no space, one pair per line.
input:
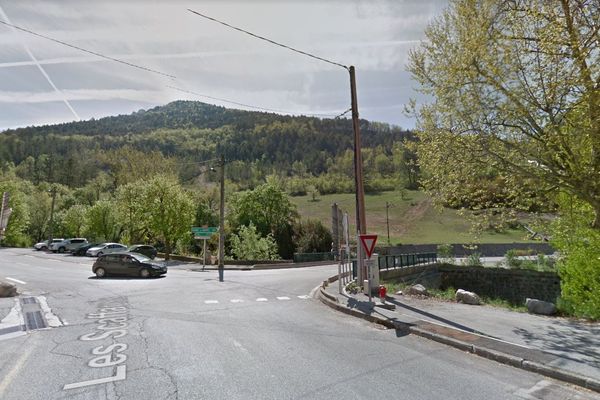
[80,251]
[133,264]
[144,249]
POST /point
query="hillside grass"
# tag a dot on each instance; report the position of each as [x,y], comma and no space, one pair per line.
[412,219]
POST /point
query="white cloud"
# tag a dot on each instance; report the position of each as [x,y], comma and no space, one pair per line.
[208,58]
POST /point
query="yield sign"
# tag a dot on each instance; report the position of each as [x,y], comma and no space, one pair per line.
[368,243]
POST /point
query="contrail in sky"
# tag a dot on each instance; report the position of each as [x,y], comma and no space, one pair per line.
[42,70]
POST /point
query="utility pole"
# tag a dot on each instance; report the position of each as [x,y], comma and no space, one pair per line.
[361,222]
[53,192]
[222,219]
[387,220]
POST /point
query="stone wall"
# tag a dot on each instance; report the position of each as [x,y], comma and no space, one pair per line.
[512,285]
[508,284]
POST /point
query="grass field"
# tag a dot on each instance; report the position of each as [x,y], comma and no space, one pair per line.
[412,219]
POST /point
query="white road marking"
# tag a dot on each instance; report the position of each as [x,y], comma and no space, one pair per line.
[51,318]
[119,376]
[283,298]
[211,301]
[262,299]
[304,297]
[236,300]
[16,280]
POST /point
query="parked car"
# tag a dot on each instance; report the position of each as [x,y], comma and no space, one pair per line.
[145,249]
[133,264]
[80,251]
[105,248]
[67,244]
[44,245]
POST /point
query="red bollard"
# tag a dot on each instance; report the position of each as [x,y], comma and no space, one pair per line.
[382,293]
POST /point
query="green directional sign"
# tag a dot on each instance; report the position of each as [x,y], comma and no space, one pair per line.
[204,232]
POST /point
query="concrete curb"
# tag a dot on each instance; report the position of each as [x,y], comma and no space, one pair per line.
[495,355]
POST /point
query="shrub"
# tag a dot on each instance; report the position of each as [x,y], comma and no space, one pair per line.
[446,253]
[473,260]
[579,266]
[247,244]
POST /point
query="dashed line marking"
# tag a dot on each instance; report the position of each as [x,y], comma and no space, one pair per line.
[304,297]
[236,300]
[16,280]
[262,299]
[211,301]
[283,298]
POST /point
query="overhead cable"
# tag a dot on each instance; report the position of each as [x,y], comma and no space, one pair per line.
[88,51]
[268,40]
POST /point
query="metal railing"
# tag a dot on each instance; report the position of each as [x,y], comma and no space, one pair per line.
[401,261]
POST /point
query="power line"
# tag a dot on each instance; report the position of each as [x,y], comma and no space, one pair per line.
[88,51]
[268,40]
[248,105]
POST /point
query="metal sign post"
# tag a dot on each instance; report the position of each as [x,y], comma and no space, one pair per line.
[204,233]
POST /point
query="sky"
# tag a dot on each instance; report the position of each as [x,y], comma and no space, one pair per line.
[43,82]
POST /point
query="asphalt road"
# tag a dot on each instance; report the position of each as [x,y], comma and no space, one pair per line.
[258,335]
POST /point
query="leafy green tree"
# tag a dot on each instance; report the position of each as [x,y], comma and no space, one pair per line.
[169,210]
[74,220]
[248,244]
[579,264]
[267,207]
[103,221]
[130,204]
[311,236]
[270,210]
[18,190]
[515,89]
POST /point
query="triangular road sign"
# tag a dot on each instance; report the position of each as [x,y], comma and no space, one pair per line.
[368,243]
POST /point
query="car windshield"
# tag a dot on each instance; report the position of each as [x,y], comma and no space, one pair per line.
[140,257]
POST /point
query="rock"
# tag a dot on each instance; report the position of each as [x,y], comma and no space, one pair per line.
[7,289]
[399,293]
[466,297]
[417,290]
[535,306]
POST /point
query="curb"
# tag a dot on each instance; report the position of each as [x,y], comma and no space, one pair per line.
[498,356]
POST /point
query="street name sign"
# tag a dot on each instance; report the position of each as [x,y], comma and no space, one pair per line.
[204,232]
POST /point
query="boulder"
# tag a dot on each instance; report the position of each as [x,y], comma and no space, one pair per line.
[399,293]
[417,290]
[7,289]
[466,297]
[536,306]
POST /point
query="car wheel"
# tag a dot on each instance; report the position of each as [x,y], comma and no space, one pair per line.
[99,254]
[144,273]
[61,249]
[100,272]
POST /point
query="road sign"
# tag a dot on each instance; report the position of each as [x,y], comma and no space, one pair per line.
[204,232]
[368,243]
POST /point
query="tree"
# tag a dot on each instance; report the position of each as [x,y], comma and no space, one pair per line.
[247,244]
[312,236]
[169,210]
[516,89]
[74,220]
[103,221]
[268,207]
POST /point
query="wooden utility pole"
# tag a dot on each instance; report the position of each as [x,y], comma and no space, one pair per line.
[222,219]
[361,222]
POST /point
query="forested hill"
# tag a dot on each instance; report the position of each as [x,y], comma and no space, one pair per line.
[193,131]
